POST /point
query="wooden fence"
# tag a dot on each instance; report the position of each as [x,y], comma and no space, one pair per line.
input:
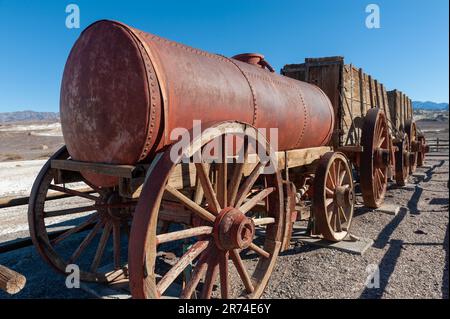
[437,144]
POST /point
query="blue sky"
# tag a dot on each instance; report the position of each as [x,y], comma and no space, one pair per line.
[409,51]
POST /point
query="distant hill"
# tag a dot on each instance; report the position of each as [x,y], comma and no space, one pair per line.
[28,116]
[429,105]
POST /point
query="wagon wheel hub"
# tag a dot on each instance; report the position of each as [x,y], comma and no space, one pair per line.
[233,230]
[381,157]
[344,196]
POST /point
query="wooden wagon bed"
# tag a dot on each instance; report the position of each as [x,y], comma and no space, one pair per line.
[351,91]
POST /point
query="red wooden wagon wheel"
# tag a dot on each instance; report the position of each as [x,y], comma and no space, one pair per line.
[411,131]
[402,161]
[221,233]
[421,154]
[333,197]
[88,225]
[374,158]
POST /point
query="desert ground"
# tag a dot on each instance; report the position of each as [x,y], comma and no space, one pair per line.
[29,140]
[410,249]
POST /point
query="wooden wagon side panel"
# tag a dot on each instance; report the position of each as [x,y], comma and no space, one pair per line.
[386,108]
[326,74]
[407,108]
[410,109]
[351,91]
[295,71]
[407,113]
[399,106]
[403,109]
[368,96]
[391,103]
[400,109]
[410,113]
[378,101]
[351,107]
[373,92]
[395,105]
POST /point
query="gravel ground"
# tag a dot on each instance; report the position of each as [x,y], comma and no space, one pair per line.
[410,250]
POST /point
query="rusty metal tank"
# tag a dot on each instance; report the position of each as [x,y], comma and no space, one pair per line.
[124,90]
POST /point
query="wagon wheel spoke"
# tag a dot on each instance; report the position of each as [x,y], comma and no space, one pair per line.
[330,181]
[342,176]
[379,130]
[191,205]
[237,261]
[116,244]
[381,173]
[69,211]
[337,174]
[86,241]
[338,219]
[184,234]
[263,221]
[259,250]
[333,218]
[376,182]
[208,189]
[235,181]
[211,276]
[223,270]
[198,193]
[248,183]
[256,199]
[74,192]
[181,264]
[329,201]
[377,179]
[222,176]
[380,141]
[197,275]
[75,229]
[342,214]
[101,247]
[329,192]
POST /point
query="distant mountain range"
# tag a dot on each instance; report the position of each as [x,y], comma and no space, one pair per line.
[429,105]
[28,116]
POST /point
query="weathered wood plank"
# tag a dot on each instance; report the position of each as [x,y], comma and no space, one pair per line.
[127,171]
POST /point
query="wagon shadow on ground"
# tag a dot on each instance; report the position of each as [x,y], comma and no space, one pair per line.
[439,201]
[429,172]
[390,258]
[414,201]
